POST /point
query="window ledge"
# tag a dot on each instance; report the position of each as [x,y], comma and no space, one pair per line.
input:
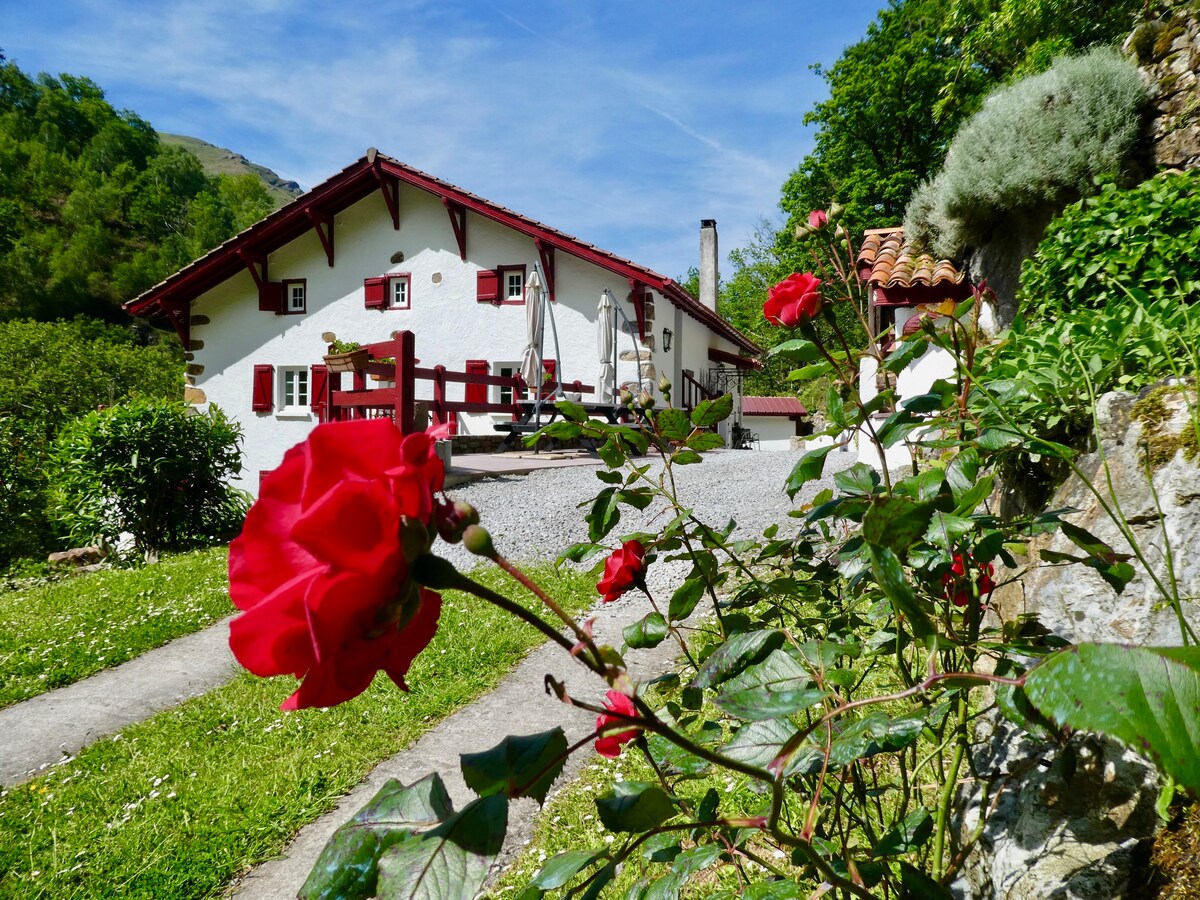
[302,414]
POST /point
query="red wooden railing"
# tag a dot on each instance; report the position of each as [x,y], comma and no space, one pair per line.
[398,402]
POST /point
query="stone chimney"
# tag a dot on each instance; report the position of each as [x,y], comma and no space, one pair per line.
[708,263]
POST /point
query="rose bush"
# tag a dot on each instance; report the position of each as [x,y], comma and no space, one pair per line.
[794,300]
[320,569]
[957,583]
[623,570]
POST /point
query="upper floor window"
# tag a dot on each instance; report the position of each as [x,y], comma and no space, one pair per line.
[399,289]
[512,284]
[295,295]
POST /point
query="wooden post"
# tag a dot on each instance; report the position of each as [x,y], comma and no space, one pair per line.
[360,384]
[333,383]
[405,380]
[439,395]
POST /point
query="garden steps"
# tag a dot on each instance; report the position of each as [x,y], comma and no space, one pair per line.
[52,727]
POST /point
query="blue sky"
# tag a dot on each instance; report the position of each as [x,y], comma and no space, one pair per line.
[623,123]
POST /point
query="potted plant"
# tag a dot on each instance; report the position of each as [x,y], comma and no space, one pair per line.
[347,356]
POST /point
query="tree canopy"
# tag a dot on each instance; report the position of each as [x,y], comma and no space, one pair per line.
[93,209]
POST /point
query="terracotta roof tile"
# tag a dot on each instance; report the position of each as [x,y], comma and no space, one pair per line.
[772,406]
[887,259]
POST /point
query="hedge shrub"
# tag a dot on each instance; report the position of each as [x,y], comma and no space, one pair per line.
[154,469]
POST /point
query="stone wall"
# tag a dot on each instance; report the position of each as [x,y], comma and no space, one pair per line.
[1168,53]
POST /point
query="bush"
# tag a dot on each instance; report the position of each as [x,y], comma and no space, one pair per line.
[153,469]
[52,372]
[24,530]
[1036,144]
[1118,241]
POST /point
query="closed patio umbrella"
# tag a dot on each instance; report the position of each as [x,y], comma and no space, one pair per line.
[605,345]
[531,359]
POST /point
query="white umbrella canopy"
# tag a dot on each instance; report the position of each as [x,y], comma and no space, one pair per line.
[604,349]
[530,360]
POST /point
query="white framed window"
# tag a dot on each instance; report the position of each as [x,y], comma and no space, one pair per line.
[503,393]
[295,296]
[512,284]
[399,291]
[294,390]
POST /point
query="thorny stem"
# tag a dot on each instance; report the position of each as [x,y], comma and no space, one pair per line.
[948,788]
[581,635]
[671,628]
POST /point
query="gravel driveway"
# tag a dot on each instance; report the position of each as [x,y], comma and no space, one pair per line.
[533,517]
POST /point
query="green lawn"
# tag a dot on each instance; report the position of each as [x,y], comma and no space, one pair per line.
[55,634]
[178,805]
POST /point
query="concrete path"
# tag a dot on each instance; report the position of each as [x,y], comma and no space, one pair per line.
[52,727]
[519,705]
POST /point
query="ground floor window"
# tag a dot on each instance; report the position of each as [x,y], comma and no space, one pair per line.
[293,389]
[504,393]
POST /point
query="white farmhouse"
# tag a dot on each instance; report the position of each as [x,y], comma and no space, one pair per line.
[382,248]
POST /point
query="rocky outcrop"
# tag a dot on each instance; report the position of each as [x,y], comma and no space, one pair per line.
[1075,823]
[1168,53]
[1163,513]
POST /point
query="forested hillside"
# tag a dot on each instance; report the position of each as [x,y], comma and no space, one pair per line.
[94,208]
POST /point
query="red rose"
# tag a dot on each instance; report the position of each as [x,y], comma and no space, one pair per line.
[794,300]
[610,744]
[623,570]
[320,568]
[817,218]
[956,585]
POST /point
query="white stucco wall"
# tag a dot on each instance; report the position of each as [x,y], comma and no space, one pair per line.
[450,325]
[774,432]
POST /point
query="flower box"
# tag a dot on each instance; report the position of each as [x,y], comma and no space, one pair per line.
[351,361]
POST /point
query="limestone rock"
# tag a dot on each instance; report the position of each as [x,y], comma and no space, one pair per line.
[1069,824]
[77,556]
[1163,514]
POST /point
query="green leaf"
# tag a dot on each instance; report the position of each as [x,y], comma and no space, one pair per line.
[909,835]
[572,411]
[562,431]
[685,598]
[896,522]
[966,501]
[858,480]
[511,764]
[348,865]
[890,575]
[806,373]
[759,743]
[947,531]
[919,886]
[609,477]
[709,412]
[778,686]
[673,424]
[647,632]
[610,451]
[686,457]
[580,552]
[1146,698]
[638,498]
[899,358]
[1000,438]
[561,868]
[736,654]
[796,350]
[450,861]
[809,468]
[604,515]
[675,760]
[706,440]
[634,806]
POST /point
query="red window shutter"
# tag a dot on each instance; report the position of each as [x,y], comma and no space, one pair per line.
[316,385]
[375,293]
[550,367]
[477,393]
[270,296]
[487,286]
[264,388]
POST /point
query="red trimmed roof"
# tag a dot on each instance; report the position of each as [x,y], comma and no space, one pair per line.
[741,362]
[772,406]
[359,180]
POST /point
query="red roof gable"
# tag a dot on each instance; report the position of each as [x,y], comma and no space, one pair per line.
[359,180]
[772,406]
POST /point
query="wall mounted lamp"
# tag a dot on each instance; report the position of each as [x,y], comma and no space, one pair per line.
[668,336]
